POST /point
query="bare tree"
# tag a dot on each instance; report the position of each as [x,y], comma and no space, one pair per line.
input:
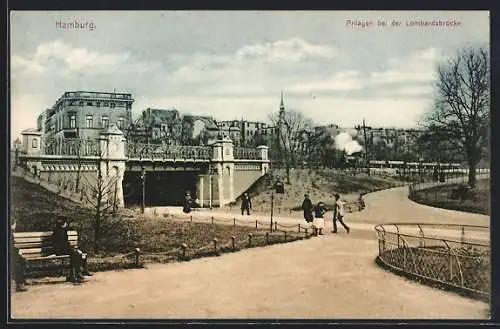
[101,194]
[290,131]
[461,109]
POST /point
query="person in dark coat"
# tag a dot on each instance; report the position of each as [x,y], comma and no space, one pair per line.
[435,174]
[188,203]
[307,207]
[246,204]
[18,263]
[62,246]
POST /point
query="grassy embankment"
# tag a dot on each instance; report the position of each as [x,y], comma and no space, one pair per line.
[36,209]
[319,184]
[476,200]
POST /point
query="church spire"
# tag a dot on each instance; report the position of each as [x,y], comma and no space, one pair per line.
[282,105]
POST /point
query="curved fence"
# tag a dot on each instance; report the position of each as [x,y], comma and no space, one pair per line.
[456,256]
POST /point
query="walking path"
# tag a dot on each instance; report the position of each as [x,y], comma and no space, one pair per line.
[326,277]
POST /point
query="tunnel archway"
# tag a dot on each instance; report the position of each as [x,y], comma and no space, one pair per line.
[163,188]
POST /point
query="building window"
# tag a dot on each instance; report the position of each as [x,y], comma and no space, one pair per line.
[121,123]
[72,121]
[34,143]
[98,104]
[112,105]
[104,103]
[89,104]
[105,121]
[89,121]
[80,103]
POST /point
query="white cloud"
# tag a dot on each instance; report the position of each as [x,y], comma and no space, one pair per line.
[64,58]
[342,81]
[418,67]
[294,50]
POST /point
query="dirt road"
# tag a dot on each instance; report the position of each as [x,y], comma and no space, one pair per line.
[327,277]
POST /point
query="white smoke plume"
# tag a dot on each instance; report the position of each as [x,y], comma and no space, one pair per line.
[344,141]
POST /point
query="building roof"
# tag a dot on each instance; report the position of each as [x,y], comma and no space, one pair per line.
[158,116]
[209,122]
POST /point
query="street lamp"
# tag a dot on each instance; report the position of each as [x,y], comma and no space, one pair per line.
[280,189]
[143,181]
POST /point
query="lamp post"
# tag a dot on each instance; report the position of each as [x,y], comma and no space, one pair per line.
[272,208]
[143,181]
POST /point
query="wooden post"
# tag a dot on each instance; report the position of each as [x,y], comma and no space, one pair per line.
[255,223]
[215,245]
[285,235]
[298,227]
[275,226]
[267,237]
[234,221]
[450,264]
[232,242]
[250,239]
[191,218]
[212,219]
[137,252]
[184,248]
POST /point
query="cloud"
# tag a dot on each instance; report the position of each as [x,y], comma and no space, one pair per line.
[342,81]
[64,58]
[418,67]
[294,50]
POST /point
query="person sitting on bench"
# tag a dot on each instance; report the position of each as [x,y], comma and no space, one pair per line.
[62,246]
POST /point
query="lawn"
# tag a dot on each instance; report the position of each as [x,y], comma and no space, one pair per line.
[475,201]
[36,209]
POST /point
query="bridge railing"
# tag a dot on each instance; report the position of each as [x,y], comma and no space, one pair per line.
[246,153]
[152,151]
[452,255]
[70,146]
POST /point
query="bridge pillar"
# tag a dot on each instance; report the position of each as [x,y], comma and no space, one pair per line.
[264,155]
[223,163]
[112,164]
[200,187]
[32,148]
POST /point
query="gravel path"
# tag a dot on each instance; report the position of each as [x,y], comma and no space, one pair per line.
[327,277]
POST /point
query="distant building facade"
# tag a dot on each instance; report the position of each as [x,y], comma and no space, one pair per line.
[167,126]
[84,114]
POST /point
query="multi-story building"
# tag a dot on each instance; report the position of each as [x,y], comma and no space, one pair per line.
[199,130]
[231,129]
[156,126]
[83,114]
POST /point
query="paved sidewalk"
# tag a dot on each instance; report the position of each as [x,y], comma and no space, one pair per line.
[327,277]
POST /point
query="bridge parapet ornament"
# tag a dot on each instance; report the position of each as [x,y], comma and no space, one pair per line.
[164,152]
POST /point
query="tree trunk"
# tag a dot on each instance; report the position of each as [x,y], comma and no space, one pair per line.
[472,173]
[287,165]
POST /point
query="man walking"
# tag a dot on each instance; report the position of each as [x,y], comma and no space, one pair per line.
[246,204]
[307,207]
[338,214]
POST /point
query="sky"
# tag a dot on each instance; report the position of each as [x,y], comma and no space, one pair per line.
[234,64]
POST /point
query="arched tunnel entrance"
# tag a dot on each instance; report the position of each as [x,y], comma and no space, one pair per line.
[163,188]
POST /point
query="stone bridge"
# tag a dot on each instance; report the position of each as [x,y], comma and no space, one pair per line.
[152,175]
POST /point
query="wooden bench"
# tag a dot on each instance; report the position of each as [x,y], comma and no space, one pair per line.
[37,247]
